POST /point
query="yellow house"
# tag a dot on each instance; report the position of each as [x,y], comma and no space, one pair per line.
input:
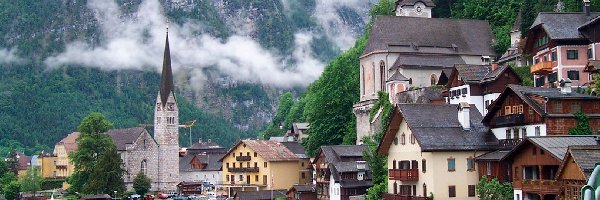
[431,149]
[260,165]
[64,167]
[48,165]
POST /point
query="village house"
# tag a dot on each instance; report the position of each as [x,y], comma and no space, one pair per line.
[479,84]
[522,111]
[253,165]
[427,143]
[512,56]
[341,172]
[562,44]
[576,168]
[62,149]
[47,164]
[200,163]
[535,164]
[302,192]
[408,51]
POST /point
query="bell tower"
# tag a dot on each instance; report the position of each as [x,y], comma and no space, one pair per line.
[166,131]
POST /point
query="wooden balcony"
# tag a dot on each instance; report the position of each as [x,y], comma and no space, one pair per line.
[388,196]
[244,169]
[544,67]
[541,186]
[403,174]
[510,120]
[243,158]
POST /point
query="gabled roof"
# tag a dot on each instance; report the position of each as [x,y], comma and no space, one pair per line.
[342,158]
[259,195]
[562,25]
[397,76]
[302,188]
[269,150]
[494,155]
[477,74]
[436,128]
[459,36]
[123,137]
[296,148]
[556,145]
[527,94]
[69,142]
[586,157]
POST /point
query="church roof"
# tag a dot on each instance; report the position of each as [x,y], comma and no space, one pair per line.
[426,61]
[459,36]
[166,78]
[124,136]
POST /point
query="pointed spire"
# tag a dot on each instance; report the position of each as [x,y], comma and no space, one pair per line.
[166,78]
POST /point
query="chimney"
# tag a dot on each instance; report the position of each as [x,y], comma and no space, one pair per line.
[565,86]
[586,7]
[494,66]
[361,164]
[199,140]
[463,115]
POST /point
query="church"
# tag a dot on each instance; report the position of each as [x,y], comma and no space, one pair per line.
[157,157]
[410,50]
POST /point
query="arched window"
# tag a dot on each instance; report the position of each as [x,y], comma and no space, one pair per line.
[424,189]
[144,166]
[433,79]
[395,188]
[382,77]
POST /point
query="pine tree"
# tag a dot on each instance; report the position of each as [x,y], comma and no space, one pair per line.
[583,125]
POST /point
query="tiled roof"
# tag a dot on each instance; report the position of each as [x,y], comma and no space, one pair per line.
[472,37]
[562,25]
[296,148]
[479,73]
[436,128]
[268,150]
[23,160]
[397,76]
[586,157]
[70,142]
[304,188]
[342,158]
[210,159]
[494,155]
[426,61]
[557,145]
[260,195]
[122,137]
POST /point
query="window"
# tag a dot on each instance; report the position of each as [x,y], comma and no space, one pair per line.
[412,138]
[557,107]
[572,54]
[538,132]
[415,164]
[255,165]
[143,166]
[520,109]
[396,141]
[589,54]
[403,139]
[452,191]
[248,154]
[241,177]
[541,41]
[433,79]
[264,179]
[256,178]
[516,133]
[524,132]
[575,107]
[227,164]
[395,188]
[507,110]
[552,77]
[425,190]
[470,164]
[536,61]
[451,164]
[573,74]
[227,177]
[464,91]
[382,77]
[233,165]
[255,154]
[545,58]
[394,164]
[515,109]
[553,56]
[303,175]
[471,190]
[423,165]
[265,165]
[488,168]
[508,134]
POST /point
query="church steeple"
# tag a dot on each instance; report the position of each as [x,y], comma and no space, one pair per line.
[166,78]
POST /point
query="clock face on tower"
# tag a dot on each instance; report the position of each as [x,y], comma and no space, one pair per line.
[170,106]
[419,9]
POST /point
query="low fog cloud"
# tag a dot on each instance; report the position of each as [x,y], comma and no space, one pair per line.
[138,43]
[9,56]
[326,14]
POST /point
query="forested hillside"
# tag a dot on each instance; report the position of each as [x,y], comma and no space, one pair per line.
[40,104]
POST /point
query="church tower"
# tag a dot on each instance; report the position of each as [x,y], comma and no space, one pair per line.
[166,123]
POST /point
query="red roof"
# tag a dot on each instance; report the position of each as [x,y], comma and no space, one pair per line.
[70,142]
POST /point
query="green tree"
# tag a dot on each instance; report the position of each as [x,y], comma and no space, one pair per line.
[6,178]
[583,125]
[97,164]
[31,181]
[378,163]
[141,183]
[492,189]
[525,75]
[11,190]
[276,127]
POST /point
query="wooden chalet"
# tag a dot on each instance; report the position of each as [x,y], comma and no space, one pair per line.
[576,168]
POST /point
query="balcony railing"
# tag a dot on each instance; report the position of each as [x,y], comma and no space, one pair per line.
[404,174]
[544,67]
[243,158]
[509,142]
[388,196]
[509,120]
[244,169]
[546,186]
